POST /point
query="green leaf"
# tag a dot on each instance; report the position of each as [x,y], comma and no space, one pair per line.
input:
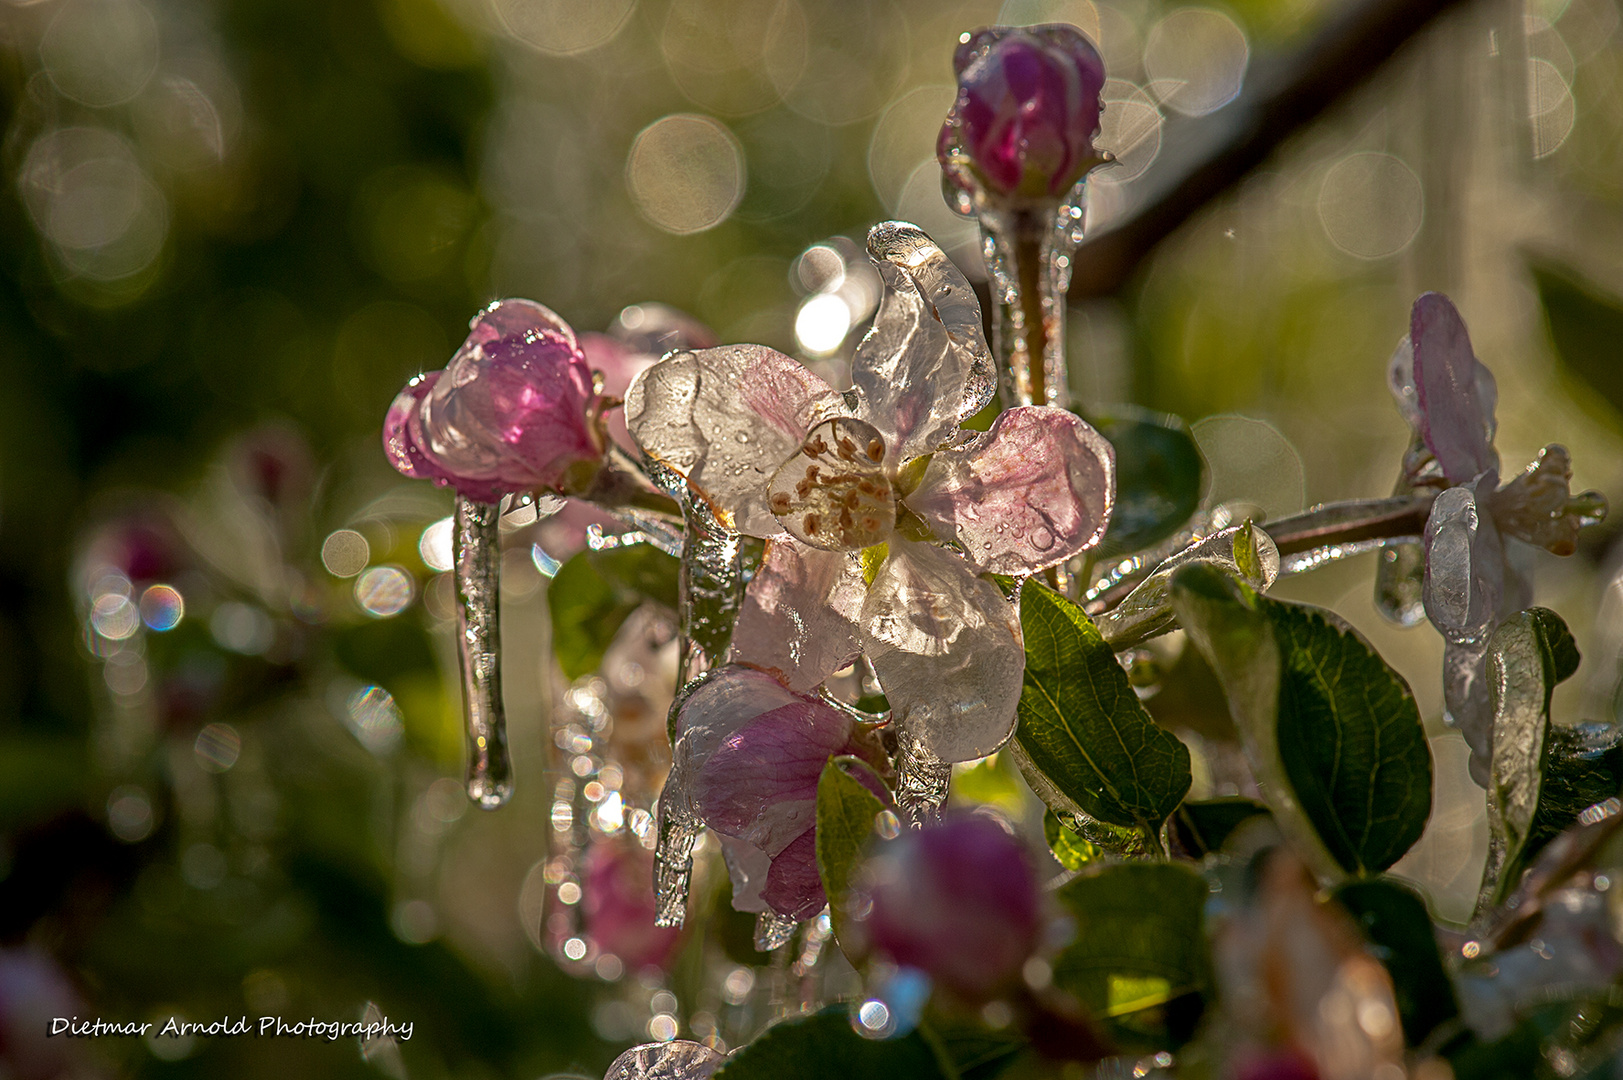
[1158,477]
[1084,741]
[1071,849]
[1586,329]
[846,809]
[1139,956]
[594,592]
[1332,733]
[1202,827]
[1394,919]
[974,1051]
[823,1045]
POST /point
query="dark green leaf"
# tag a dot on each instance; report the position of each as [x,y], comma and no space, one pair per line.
[976,1052]
[1084,740]
[845,812]
[1394,919]
[1071,849]
[823,1045]
[1139,956]
[1586,329]
[1158,477]
[593,594]
[1202,827]
[1332,732]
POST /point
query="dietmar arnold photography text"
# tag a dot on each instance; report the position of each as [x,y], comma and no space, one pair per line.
[75,1027]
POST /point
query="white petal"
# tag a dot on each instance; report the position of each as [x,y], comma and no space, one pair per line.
[799,618]
[726,419]
[924,367]
[946,647]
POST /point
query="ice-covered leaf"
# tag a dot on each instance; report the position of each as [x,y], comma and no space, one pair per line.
[824,1045]
[1084,740]
[1158,477]
[676,1060]
[1244,550]
[1394,919]
[1071,849]
[846,808]
[1202,826]
[1332,733]
[594,592]
[1139,955]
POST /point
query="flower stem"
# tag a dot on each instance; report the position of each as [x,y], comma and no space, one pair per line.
[1028,255]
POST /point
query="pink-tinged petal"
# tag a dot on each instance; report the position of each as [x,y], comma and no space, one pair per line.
[1538,506]
[924,366]
[618,365]
[1454,393]
[958,900]
[946,647]
[398,445]
[656,329]
[799,619]
[1033,491]
[726,419]
[516,317]
[793,888]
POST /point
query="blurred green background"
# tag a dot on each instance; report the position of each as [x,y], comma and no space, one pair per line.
[234,228]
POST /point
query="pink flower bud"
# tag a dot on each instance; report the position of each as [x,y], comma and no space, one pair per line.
[957,900]
[514,410]
[1027,111]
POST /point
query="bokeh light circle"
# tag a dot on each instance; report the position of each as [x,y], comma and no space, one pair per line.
[384,591]
[1196,60]
[904,138]
[1251,462]
[162,607]
[1371,205]
[345,553]
[217,747]
[564,27]
[100,52]
[435,545]
[686,173]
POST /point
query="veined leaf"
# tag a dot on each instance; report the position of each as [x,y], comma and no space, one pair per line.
[1202,827]
[1139,955]
[846,809]
[823,1045]
[1332,732]
[594,592]
[1084,740]
[1158,476]
[1071,849]
[1394,919]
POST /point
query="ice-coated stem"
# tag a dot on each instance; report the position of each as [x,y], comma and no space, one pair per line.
[922,782]
[479,642]
[1028,255]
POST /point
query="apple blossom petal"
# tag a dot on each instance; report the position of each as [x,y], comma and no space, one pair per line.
[516,317]
[1033,491]
[750,753]
[618,365]
[793,888]
[747,869]
[1538,506]
[398,445]
[924,366]
[725,419]
[946,647]
[1454,392]
[799,618]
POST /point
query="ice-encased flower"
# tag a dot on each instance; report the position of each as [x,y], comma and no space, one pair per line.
[957,900]
[746,762]
[514,410]
[1476,569]
[848,487]
[1027,111]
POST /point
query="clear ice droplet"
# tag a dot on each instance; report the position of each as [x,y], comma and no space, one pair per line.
[478,586]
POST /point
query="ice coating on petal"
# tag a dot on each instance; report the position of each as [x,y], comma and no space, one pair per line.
[1538,506]
[793,888]
[1465,572]
[946,647]
[516,317]
[398,445]
[1455,394]
[924,366]
[747,868]
[725,419]
[1467,704]
[958,900]
[1032,492]
[1400,380]
[799,619]
[676,1060]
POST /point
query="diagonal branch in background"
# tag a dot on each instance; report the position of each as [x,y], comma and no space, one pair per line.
[1203,158]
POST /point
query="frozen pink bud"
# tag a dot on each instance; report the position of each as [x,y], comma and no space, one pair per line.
[957,900]
[617,905]
[514,410]
[1027,111]
[1454,392]
[747,763]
